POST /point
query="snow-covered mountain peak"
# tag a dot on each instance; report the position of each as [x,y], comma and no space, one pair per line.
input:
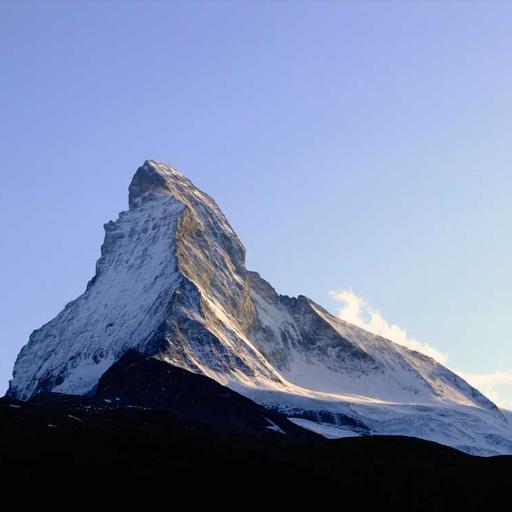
[154,178]
[172,284]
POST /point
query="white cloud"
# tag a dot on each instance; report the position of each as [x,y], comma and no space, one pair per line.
[488,384]
[357,311]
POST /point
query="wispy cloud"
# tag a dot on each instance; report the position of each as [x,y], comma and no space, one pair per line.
[488,384]
[356,310]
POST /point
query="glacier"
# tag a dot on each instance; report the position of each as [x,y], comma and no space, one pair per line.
[171,283]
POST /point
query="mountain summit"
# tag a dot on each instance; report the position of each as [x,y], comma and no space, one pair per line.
[171,283]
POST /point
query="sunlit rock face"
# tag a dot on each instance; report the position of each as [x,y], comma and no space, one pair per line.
[172,284]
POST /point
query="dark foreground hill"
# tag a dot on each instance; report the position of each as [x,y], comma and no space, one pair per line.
[135,442]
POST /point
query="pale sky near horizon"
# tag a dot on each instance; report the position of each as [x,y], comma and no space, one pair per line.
[361,148]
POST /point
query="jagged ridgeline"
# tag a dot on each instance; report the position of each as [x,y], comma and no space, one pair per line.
[171,283]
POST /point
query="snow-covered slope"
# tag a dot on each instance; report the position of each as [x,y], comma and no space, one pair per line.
[353,380]
[318,351]
[171,283]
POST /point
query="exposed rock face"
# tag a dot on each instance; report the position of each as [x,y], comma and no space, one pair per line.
[171,283]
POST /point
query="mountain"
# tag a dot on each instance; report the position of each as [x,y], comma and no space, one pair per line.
[171,283]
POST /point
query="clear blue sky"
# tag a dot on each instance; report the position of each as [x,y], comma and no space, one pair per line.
[362,145]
